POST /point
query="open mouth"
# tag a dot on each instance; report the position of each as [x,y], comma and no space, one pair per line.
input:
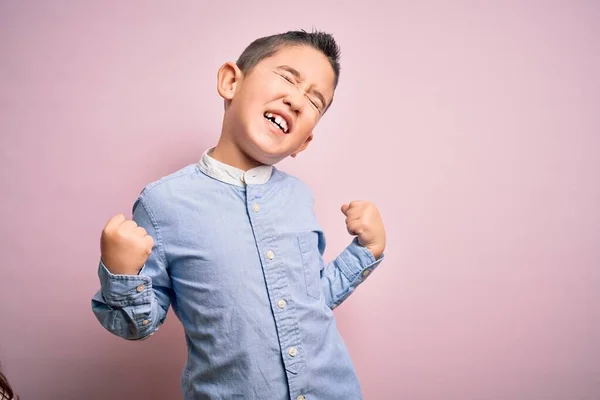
[278,121]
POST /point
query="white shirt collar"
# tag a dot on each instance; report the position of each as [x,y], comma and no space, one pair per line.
[234,176]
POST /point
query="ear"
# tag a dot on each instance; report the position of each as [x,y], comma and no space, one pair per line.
[304,145]
[228,77]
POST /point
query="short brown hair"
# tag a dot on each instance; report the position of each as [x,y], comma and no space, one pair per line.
[266,46]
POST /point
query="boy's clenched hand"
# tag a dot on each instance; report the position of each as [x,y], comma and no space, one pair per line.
[363,220]
[125,246]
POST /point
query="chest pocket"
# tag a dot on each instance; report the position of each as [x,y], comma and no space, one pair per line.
[312,262]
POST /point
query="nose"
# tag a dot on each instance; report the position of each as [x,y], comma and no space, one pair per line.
[295,100]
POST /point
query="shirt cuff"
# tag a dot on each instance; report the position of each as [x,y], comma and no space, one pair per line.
[124,290]
[358,261]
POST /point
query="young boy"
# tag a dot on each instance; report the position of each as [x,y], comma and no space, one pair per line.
[233,244]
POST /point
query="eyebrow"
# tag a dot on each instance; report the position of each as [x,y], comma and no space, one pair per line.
[299,76]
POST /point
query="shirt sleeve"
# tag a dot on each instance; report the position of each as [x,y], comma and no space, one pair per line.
[346,272]
[134,306]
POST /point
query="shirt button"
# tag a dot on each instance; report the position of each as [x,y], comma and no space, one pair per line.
[256,208]
[281,303]
[140,288]
[293,351]
[145,322]
[242,179]
[270,255]
[366,272]
[300,398]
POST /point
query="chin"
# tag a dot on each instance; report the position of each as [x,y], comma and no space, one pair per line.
[265,147]
[264,152]
[265,155]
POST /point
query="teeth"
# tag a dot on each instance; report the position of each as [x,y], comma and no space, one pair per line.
[281,122]
[278,120]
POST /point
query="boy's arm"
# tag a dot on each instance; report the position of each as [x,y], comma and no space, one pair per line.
[346,272]
[132,303]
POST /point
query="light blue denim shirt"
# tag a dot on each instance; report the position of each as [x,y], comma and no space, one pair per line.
[239,257]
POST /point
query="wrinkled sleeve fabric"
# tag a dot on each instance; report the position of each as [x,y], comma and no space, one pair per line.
[134,306]
[346,272]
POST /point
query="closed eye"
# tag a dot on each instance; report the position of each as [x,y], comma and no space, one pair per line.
[287,78]
[314,103]
[293,82]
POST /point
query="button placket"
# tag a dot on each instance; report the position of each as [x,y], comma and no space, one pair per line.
[277,282]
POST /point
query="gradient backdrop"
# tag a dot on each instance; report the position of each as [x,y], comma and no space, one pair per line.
[473,125]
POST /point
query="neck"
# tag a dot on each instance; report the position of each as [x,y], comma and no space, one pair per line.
[228,153]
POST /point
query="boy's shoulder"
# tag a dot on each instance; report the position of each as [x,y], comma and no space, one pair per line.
[173,182]
[282,177]
[293,183]
[190,178]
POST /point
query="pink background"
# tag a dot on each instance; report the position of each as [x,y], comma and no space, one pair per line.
[475,128]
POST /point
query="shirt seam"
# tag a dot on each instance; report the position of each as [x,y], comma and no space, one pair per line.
[159,242]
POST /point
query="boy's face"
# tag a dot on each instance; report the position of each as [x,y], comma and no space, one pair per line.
[274,108]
